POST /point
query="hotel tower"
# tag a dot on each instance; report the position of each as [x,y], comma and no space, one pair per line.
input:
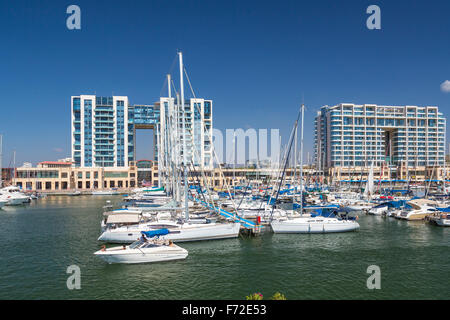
[349,135]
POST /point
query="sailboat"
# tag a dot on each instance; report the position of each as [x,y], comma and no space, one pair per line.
[183,228]
[368,191]
[309,223]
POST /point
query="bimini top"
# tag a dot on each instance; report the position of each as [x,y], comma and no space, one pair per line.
[154,233]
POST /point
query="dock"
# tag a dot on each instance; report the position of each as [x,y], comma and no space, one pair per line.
[247,226]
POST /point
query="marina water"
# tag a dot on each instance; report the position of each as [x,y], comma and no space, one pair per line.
[41,240]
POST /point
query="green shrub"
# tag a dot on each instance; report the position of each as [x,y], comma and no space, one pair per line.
[255,296]
[259,296]
[278,296]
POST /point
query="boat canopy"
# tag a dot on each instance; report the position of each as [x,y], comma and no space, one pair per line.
[123,218]
[394,204]
[154,233]
[421,202]
[327,213]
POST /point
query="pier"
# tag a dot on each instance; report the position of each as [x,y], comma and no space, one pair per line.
[247,226]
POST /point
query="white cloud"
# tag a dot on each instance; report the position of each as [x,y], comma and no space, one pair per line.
[445,86]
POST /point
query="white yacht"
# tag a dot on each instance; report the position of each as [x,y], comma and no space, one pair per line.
[14,196]
[313,224]
[421,208]
[178,231]
[144,251]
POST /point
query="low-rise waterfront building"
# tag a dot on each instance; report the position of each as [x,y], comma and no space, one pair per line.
[65,178]
[51,176]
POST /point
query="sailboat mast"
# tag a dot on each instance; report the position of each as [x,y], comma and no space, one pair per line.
[301,161]
[14,162]
[169,135]
[177,148]
[180,55]
[234,158]
[295,158]
[158,144]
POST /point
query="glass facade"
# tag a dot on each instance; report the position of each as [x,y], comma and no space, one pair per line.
[104,138]
[120,130]
[351,135]
[87,133]
[103,130]
[76,128]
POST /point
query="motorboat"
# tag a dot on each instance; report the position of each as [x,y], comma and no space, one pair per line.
[144,251]
[389,208]
[420,209]
[75,193]
[441,217]
[178,231]
[14,196]
[443,220]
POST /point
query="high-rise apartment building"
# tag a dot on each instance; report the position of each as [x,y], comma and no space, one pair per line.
[104,129]
[349,135]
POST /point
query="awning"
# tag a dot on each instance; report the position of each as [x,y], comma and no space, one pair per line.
[123,218]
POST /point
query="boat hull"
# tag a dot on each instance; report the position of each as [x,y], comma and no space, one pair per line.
[16,201]
[141,256]
[443,222]
[315,227]
[414,217]
[212,232]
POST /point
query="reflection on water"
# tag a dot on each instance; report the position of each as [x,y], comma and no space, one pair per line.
[39,241]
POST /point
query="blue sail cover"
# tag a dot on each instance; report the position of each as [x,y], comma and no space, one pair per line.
[154,233]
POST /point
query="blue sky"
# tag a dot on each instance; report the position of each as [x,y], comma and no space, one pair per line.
[255,59]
